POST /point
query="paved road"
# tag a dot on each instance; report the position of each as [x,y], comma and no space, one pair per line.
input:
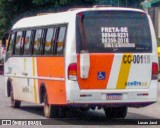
[32,111]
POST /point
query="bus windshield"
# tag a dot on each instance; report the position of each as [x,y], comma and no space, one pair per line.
[113,31]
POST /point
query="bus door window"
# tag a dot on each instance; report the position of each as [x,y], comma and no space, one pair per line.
[37,41]
[27,43]
[18,43]
[60,40]
[49,41]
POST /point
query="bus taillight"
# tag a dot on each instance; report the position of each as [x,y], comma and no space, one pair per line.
[154,71]
[72,71]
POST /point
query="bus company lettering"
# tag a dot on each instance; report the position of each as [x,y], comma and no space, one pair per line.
[25,89]
[136,83]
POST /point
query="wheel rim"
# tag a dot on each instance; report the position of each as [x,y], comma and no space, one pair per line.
[46,107]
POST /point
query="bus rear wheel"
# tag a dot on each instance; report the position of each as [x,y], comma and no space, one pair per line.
[115,112]
[84,109]
[50,111]
[14,103]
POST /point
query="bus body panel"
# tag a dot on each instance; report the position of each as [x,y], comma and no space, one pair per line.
[29,73]
[97,97]
[52,67]
[128,77]
[119,71]
[98,63]
[21,72]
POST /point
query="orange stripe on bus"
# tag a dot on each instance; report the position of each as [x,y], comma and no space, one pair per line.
[98,63]
[52,67]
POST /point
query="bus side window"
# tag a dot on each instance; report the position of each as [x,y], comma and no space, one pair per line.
[10,44]
[18,43]
[37,41]
[61,40]
[27,43]
[49,41]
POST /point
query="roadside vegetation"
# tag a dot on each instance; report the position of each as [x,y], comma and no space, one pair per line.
[13,10]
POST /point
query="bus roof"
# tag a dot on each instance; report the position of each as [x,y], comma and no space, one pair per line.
[60,17]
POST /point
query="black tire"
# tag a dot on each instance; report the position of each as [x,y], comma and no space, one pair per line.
[14,103]
[116,112]
[84,109]
[62,112]
[50,111]
[122,112]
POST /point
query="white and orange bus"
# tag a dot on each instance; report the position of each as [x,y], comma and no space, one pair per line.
[100,57]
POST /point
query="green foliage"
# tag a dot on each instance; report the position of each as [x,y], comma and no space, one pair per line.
[158,42]
[5,11]
[122,3]
[13,10]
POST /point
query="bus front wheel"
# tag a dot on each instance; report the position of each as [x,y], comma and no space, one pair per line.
[14,103]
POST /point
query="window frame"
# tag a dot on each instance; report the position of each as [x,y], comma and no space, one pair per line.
[79,42]
[10,36]
[39,43]
[52,41]
[56,34]
[43,40]
[20,48]
[64,41]
[25,33]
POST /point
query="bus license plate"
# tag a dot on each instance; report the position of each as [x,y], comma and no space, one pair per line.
[114,96]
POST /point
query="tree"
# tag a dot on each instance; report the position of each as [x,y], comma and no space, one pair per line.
[123,3]
[13,10]
[5,16]
[9,9]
